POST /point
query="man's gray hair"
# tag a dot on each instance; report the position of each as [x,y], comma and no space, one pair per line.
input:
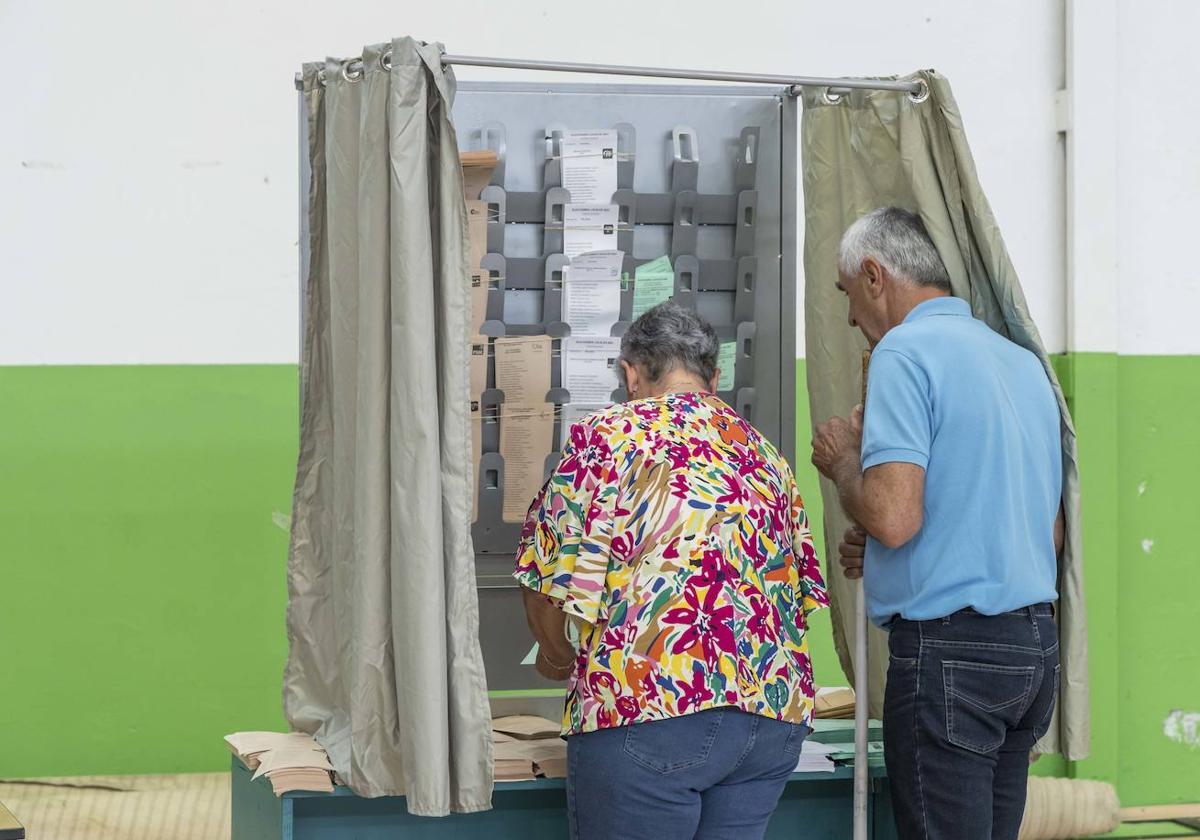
[897,239]
[668,337]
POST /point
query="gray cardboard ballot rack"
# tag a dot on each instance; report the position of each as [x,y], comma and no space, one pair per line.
[706,175]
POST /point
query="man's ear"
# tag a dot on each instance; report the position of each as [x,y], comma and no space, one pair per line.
[874,277]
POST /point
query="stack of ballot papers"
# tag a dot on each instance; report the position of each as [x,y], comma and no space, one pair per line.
[834,703]
[816,757]
[525,746]
[291,761]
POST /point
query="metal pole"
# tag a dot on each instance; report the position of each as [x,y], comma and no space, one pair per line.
[860,676]
[697,75]
[836,86]
[860,713]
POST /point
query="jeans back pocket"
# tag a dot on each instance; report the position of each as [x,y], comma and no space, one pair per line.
[983,701]
[674,744]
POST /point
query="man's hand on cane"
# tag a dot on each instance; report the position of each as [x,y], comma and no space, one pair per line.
[851,550]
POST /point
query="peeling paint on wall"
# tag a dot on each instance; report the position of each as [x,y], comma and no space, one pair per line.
[1183,728]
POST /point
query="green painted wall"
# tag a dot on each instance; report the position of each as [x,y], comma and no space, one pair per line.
[142,577]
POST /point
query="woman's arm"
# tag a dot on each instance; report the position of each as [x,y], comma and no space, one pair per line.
[547,623]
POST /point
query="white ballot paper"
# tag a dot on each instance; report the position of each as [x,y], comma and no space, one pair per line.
[589,165]
[589,367]
[592,292]
[589,227]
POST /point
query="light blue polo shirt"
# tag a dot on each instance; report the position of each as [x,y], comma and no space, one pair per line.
[948,394]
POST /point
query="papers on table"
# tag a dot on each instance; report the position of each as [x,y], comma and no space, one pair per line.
[817,758]
[589,165]
[727,362]
[526,435]
[592,292]
[290,760]
[589,368]
[653,283]
[589,227]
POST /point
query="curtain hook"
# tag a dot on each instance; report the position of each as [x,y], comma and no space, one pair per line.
[832,96]
[920,95]
[349,73]
[385,60]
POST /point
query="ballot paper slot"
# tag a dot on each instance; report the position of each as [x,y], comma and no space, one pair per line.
[746,281]
[685,159]
[524,307]
[493,270]
[497,216]
[716,307]
[747,336]
[744,403]
[685,228]
[490,533]
[747,221]
[652,208]
[746,166]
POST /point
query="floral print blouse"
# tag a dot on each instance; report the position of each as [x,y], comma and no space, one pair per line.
[672,531]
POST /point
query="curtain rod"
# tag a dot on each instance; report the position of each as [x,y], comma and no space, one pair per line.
[352,70]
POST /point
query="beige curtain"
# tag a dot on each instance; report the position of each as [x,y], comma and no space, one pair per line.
[875,148]
[384,664]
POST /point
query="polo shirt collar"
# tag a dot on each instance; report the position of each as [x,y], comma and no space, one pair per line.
[948,305]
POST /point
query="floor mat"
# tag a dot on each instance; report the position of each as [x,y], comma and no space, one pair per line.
[190,806]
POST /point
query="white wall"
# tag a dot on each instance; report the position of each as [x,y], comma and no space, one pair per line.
[148,157]
[1158,176]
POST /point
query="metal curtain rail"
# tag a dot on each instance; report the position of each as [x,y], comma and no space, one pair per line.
[353,69]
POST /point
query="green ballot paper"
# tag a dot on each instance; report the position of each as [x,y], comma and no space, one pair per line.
[727,362]
[653,282]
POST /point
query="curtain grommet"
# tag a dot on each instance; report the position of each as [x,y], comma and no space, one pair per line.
[385,61]
[919,96]
[349,73]
[832,96]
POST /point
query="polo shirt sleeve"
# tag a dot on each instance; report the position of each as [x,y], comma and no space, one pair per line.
[898,417]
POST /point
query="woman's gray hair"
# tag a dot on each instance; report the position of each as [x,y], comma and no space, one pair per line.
[670,336]
[897,239]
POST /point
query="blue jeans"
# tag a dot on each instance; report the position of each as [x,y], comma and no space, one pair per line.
[967,696]
[712,774]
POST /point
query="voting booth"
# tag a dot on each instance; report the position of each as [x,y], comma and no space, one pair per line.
[701,209]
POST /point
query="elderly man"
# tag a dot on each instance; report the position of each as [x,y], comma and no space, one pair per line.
[954,473]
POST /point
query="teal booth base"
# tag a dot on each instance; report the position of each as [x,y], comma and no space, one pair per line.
[813,805]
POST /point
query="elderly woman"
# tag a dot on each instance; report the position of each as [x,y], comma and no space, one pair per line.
[672,534]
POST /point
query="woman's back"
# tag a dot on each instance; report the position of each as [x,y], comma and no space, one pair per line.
[673,530]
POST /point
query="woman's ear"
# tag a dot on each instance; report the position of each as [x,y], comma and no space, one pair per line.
[633,381]
[716,379]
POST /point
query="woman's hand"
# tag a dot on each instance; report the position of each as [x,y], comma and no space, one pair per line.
[556,656]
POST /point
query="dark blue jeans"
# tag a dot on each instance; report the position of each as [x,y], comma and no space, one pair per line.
[967,697]
[713,774]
